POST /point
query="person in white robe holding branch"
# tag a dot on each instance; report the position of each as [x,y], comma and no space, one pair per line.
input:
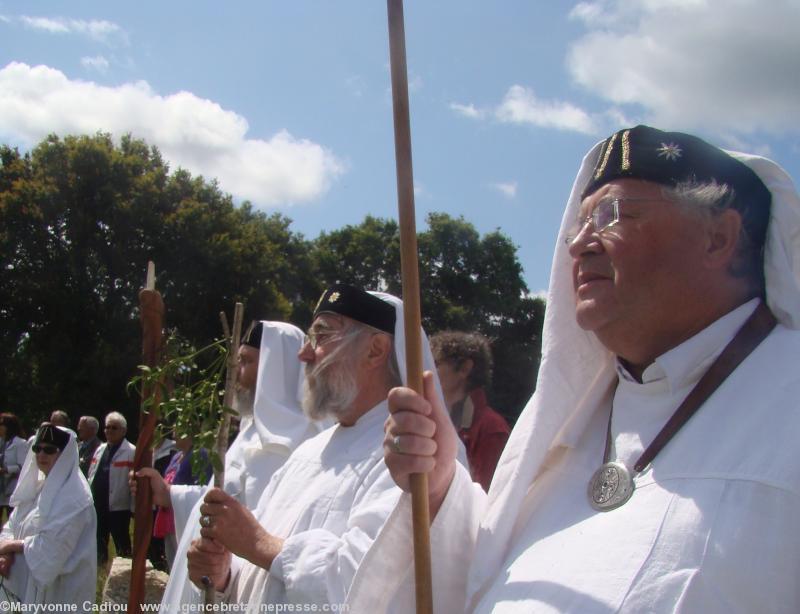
[268,396]
[325,505]
[672,265]
[48,552]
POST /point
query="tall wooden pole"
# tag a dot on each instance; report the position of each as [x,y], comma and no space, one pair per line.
[151,314]
[411,301]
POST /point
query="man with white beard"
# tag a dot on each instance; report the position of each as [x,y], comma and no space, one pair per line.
[268,390]
[323,508]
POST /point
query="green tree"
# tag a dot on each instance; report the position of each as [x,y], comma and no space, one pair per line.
[467,282]
[79,219]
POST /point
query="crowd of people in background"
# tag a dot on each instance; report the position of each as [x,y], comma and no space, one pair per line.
[104,467]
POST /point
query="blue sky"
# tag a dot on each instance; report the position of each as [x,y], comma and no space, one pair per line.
[288,104]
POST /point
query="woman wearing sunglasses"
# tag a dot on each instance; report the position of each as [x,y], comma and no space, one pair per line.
[48,547]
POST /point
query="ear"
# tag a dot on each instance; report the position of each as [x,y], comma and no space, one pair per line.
[378,351]
[722,237]
[466,367]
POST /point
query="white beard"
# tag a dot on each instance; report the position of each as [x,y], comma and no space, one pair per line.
[244,399]
[329,389]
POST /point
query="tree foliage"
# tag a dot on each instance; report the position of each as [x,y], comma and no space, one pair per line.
[80,217]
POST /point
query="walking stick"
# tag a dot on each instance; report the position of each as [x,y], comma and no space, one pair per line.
[151,314]
[221,443]
[411,302]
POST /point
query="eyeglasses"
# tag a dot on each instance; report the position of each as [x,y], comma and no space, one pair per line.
[318,338]
[49,450]
[604,215]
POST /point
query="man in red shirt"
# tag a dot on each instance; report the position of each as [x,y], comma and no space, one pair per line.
[464,363]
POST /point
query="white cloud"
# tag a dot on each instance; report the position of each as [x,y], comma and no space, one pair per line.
[521,106]
[98,63]
[467,110]
[507,189]
[191,132]
[415,83]
[689,64]
[97,29]
[356,85]
[420,191]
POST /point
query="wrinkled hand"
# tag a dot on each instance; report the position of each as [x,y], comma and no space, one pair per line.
[6,561]
[158,486]
[228,522]
[428,443]
[210,559]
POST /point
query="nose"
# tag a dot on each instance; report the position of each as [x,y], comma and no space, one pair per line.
[587,240]
[306,353]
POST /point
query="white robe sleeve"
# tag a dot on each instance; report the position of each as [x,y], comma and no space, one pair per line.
[47,553]
[385,580]
[15,456]
[18,577]
[183,498]
[317,566]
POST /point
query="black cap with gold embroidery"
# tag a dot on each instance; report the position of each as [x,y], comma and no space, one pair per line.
[50,434]
[359,305]
[253,335]
[670,158]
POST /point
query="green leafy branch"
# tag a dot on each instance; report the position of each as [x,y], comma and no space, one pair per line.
[187,391]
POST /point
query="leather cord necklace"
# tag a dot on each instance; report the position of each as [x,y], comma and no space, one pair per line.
[612,484]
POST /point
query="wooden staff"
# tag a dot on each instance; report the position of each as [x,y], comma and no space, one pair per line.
[411,301]
[221,442]
[151,314]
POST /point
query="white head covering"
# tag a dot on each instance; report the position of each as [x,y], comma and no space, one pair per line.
[64,491]
[278,413]
[577,372]
[428,363]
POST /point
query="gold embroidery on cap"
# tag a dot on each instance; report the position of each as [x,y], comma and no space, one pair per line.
[319,302]
[606,155]
[333,297]
[626,151]
[670,151]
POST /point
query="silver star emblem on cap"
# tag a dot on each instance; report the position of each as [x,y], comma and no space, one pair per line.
[670,151]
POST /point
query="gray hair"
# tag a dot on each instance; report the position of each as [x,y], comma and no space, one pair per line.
[355,334]
[707,199]
[118,418]
[91,421]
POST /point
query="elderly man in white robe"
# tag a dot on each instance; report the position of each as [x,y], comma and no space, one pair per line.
[673,263]
[272,425]
[323,508]
[48,553]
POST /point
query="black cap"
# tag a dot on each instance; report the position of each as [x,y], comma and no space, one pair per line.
[671,158]
[359,305]
[50,434]
[253,335]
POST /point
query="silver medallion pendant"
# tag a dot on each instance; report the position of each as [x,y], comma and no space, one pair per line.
[610,487]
